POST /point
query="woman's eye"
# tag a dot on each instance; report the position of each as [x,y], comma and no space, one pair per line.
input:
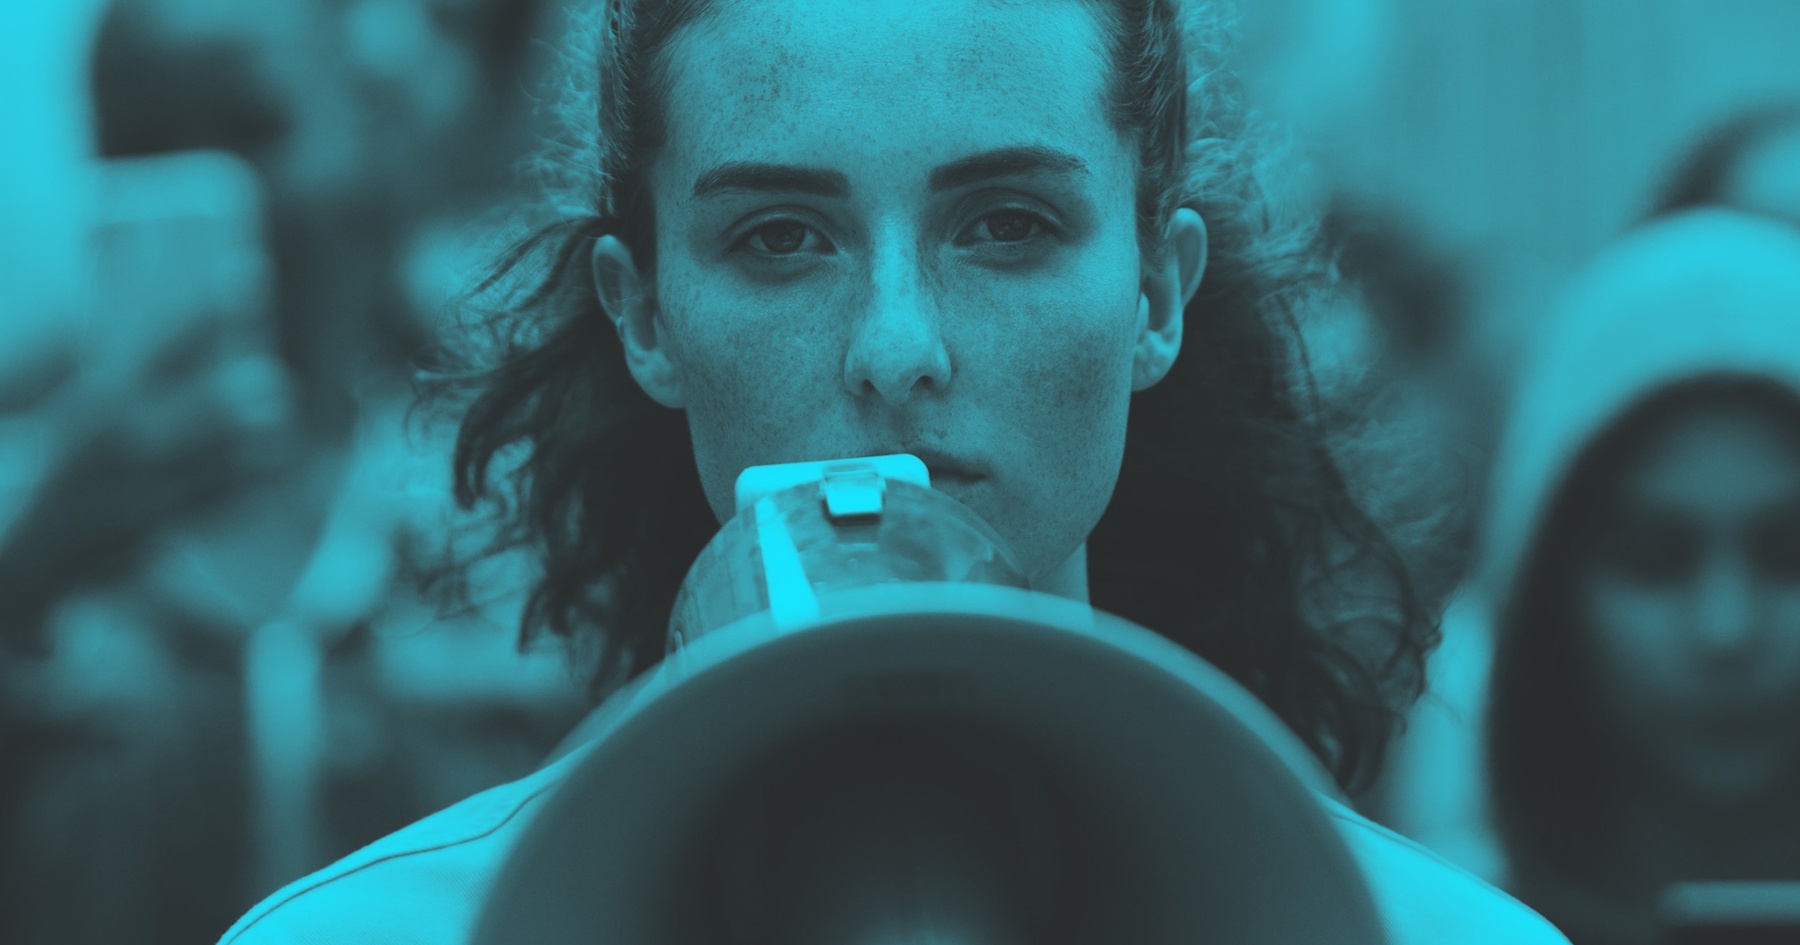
[1661,557]
[1662,564]
[1775,551]
[1650,549]
[1006,226]
[782,238]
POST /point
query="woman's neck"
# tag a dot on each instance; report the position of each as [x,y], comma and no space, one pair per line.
[1069,579]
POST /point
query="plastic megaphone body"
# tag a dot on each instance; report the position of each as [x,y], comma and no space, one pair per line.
[869,731]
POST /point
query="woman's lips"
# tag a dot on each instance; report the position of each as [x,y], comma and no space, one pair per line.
[948,467]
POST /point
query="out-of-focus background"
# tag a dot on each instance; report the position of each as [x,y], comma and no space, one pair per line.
[228,229]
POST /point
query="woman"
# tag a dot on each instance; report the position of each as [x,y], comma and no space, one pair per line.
[1648,673]
[971,231]
[1642,557]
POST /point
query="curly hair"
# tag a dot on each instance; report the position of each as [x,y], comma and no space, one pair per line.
[1232,529]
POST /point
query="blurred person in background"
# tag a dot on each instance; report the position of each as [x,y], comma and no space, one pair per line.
[214,452]
[1398,362]
[1750,162]
[46,182]
[365,120]
[1620,705]
[155,402]
[1413,371]
[125,804]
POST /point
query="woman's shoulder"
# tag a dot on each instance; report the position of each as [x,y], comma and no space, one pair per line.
[1423,898]
[422,884]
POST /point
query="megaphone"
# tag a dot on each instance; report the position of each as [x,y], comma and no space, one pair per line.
[870,731]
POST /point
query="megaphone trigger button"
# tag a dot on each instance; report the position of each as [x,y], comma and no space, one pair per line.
[852,491]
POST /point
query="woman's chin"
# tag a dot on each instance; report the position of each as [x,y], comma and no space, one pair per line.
[1725,780]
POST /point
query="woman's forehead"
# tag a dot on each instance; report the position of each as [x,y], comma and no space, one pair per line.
[1719,453]
[922,81]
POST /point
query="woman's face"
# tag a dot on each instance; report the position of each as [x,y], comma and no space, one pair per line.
[903,227]
[1691,597]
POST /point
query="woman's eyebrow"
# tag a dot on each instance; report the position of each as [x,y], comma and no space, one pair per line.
[771,178]
[760,177]
[1005,162]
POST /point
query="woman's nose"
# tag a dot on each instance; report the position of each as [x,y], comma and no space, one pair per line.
[1725,614]
[897,347]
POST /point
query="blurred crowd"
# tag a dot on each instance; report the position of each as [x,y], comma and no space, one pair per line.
[221,665]
[234,230]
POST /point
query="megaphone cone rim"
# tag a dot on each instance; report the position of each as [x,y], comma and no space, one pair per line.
[886,616]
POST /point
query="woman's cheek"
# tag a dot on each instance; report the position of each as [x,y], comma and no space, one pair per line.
[758,391]
[740,347]
[752,383]
[1076,351]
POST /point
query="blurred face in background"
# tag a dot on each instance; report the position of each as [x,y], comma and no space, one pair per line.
[1767,179]
[1690,596]
[905,227]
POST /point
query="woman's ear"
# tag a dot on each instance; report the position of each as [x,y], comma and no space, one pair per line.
[627,297]
[1166,291]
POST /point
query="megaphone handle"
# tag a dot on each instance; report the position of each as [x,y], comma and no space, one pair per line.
[791,598]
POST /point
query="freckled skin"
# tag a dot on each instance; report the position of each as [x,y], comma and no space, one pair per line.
[890,329]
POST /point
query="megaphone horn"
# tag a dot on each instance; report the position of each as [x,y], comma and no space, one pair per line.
[893,831]
[924,751]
